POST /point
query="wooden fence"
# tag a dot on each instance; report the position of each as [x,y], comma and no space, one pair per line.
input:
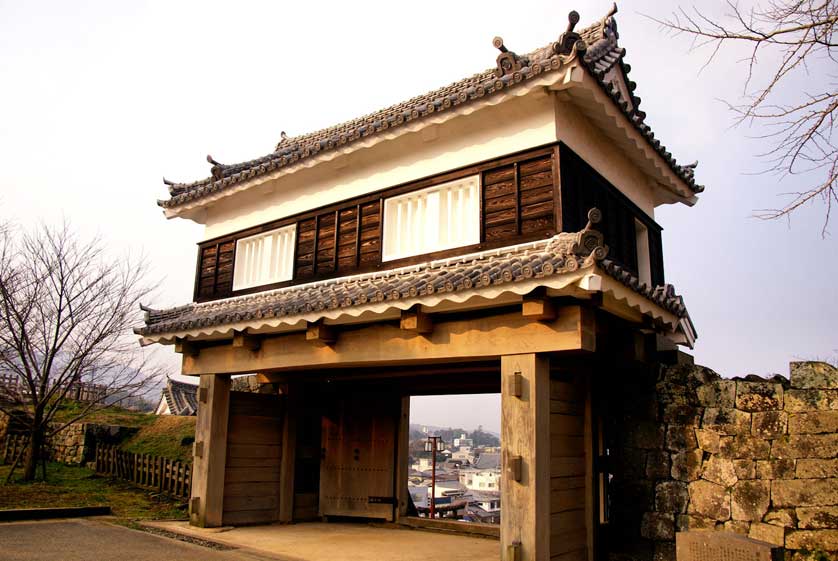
[12,445]
[150,472]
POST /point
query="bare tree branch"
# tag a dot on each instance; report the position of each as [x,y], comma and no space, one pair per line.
[66,313]
[795,34]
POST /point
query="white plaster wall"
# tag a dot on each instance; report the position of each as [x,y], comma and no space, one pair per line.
[517,124]
[583,137]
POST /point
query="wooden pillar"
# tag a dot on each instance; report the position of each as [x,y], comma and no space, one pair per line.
[207,502]
[402,453]
[289,454]
[525,475]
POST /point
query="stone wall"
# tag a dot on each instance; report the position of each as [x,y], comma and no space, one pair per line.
[76,444]
[691,450]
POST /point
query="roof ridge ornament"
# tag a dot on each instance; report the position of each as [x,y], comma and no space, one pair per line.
[508,62]
[570,41]
[217,169]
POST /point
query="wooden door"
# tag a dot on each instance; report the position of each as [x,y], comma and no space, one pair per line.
[357,465]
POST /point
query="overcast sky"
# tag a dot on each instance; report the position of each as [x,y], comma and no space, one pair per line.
[98,100]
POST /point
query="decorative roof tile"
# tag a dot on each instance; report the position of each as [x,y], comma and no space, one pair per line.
[563,253]
[596,46]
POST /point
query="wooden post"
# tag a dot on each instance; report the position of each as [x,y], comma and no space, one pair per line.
[208,471]
[289,455]
[402,453]
[525,475]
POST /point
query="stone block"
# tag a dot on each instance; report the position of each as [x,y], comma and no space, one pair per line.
[806,446]
[671,496]
[726,421]
[768,533]
[695,522]
[686,466]
[737,527]
[769,424]
[646,435]
[720,471]
[775,469]
[804,492]
[759,396]
[813,422]
[680,414]
[811,400]
[817,517]
[744,447]
[721,393]
[750,500]
[813,375]
[658,526]
[708,440]
[784,517]
[709,500]
[813,540]
[718,546]
[657,464]
[680,437]
[817,468]
[744,469]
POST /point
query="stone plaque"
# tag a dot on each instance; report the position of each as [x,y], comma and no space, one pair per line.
[723,546]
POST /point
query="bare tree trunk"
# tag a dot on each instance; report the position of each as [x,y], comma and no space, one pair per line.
[33,452]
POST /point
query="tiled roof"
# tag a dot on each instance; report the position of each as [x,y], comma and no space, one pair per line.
[487,461]
[601,53]
[562,253]
[181,398]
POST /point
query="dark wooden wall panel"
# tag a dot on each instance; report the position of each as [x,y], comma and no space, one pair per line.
[583,188]
[519,199]
[338,242]
[215,270]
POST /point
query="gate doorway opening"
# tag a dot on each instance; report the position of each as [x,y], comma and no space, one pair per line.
[454,458]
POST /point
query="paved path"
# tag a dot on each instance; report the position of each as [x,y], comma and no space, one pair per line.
[91,540]
[335,541]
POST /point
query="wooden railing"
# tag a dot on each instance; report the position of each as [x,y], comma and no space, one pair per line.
[171,477]
[11,386]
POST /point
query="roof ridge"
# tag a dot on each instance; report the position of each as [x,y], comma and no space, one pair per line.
[596,41]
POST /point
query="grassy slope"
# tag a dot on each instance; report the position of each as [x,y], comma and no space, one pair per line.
[108,416]
[77,486]
[168,436]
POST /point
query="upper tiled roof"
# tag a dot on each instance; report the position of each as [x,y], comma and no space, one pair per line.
[563,253]
[601,53]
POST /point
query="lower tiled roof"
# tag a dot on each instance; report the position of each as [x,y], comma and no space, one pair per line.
[560,254]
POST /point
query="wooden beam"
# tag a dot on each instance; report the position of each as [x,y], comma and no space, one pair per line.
[289,455]
[320,333]
[537,306]
[384,344]
[186,348]
[525,477]
[243,340]
[207,503]
[416,320]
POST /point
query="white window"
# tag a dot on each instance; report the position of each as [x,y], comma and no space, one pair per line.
[264,258]
[433,219]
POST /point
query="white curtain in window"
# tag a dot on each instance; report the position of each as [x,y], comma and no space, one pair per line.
[433,219]
[264,258]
